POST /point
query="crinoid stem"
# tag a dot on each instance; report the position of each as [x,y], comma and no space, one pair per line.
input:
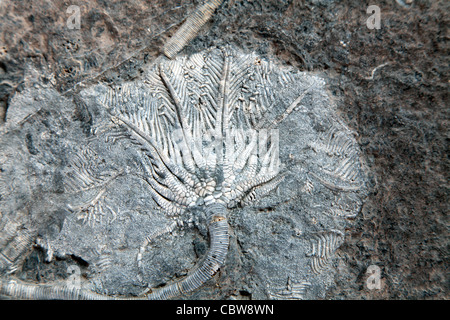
[29,291]
[215,258]
[190,28]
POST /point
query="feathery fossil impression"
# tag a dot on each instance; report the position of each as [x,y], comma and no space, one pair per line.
[199,137]
[15,241]
[346,176]
[201,146]
[323,246]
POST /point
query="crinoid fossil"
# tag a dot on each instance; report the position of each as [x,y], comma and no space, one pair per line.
[135,177]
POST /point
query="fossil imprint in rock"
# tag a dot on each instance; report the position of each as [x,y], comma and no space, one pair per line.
[236,147]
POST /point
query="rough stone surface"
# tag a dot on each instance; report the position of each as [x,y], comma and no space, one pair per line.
[93,173]
[390,85]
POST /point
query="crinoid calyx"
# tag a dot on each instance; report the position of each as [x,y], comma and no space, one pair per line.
[220,144]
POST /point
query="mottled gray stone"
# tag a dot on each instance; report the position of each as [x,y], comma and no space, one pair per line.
[47,136]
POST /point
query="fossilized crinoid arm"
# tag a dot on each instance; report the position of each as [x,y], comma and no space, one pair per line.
[190,28]
[323,246]
[15,242]
[179,104]
[49,291]
[215,258]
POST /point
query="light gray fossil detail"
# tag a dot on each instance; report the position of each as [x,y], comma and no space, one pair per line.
[103,263]
[345,206]
[95,211]
[182,169]
[292,291]
[182,172]
[54,291]
[214,260]
[220,144]
[83,173]
[15,242]
[190,28]
[323,246]
[336,143]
